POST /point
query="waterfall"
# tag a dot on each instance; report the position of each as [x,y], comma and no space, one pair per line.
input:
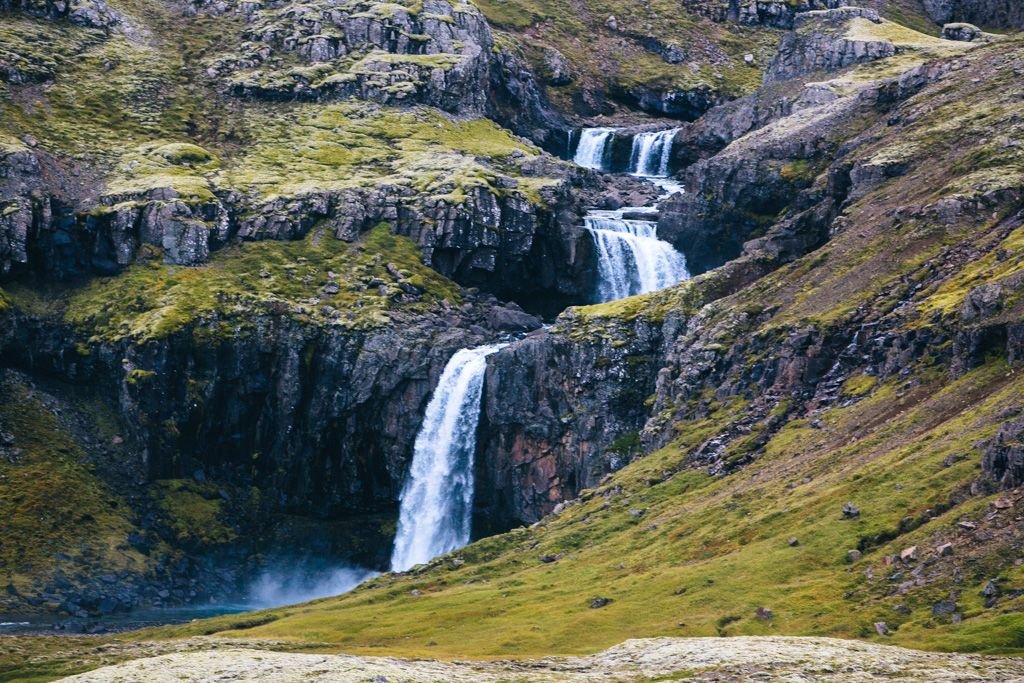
[651,154]
[630,257]
[437,499]
[591,148]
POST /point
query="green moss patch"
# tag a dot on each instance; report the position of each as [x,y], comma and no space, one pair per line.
[193,511]
[318,279]
[53,508]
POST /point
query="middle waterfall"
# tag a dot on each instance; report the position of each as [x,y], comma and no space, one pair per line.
[437,499]
[630,257]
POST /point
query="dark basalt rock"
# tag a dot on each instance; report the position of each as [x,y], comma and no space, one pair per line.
[1007,14]
[819,43]
[1003,461]
[87,13]
[776,14]
[537,258]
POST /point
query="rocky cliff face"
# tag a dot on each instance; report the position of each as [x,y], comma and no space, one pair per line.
[1004,14]
[825,167]
[256,251]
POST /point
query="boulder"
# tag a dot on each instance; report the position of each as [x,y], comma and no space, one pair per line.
[961,31]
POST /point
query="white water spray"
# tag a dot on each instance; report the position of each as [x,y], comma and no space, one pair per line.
[437,500]
[630,257]
[652,153]
[591,148]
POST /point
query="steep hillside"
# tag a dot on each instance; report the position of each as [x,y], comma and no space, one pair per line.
[240,242]
[836,443]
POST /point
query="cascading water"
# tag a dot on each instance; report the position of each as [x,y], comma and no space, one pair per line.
[651,154]
[630,257]
[591,148]
[437,500]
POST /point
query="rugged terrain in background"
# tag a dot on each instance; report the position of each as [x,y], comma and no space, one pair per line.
[239,242]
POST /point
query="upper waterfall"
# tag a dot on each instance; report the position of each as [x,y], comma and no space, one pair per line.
[437,499]
[591,148]
[652,153]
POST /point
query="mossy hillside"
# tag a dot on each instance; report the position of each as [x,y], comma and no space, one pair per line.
[152,300]
[680,552]
[951,148]
[32,50]
[629,57]
[55,511]
[307,148]
[115,103]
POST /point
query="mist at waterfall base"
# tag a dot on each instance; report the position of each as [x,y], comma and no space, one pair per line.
[437,500]
[291,583]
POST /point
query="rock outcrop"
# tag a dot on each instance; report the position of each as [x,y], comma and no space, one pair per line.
[1003,463]
[821,43]
[21,206]
[777,13]
[558,415]
[87,13]
[1006,14]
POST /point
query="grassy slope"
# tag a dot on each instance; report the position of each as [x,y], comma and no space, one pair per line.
[54,509]
[682,553]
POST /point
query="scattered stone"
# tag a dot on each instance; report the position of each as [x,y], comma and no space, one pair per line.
[264,274]
[599,602]
[957,618]
[967,526]
[853,556]
[793,541]
[851,511]
[991,589]
[634,512]
[415,593]
[944,550]
[764,614]
[331,288]
[548,559]
[944,608]
[612,23]
[1003,504]
[881,628]
[748,59]
[909,554]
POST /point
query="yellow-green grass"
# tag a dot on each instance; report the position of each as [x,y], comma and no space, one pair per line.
[152,300]
[695,555]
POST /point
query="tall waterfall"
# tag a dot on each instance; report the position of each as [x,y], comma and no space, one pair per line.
[437,500]
[630,257]
[651,153]
[591,148]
